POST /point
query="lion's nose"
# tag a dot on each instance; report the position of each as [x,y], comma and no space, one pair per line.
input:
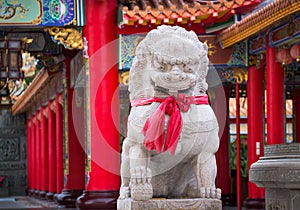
[178,72]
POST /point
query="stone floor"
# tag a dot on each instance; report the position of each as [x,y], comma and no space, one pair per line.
[30,203]
[25,202]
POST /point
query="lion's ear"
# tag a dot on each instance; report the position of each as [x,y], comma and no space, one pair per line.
[205,47]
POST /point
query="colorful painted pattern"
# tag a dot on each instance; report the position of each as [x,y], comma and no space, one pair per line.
[257,44]
[285,33]
[20,11]
[239,55]
[126,52]
[58,12]
[38,12]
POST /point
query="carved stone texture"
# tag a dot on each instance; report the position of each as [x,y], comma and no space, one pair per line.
[9,149]
[171,204]
[170,66]
[279,172]
[279,150]
[8,120]
[282,199]
[13,151]
[279,168]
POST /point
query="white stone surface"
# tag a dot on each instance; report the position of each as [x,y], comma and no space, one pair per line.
[171,204]
[279,172]
[168,61]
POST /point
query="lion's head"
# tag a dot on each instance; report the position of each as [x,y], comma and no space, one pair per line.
[169,60]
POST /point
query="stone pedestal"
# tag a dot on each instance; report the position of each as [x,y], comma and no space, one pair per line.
[98,200]
[279,171]
[67,198]
[170,204]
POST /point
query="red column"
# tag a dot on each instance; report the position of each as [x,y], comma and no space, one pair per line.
[223,180]
[51,150]
[101,33]
[255,98]
[38,152]
[29,154]
[275,98]
[296,114]
[44,152]
[238,146]
[33,155]
[75,163]
[59,144]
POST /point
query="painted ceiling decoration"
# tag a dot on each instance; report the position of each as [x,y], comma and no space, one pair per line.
[259,21]
[285,34]
[41,12]
[203,12]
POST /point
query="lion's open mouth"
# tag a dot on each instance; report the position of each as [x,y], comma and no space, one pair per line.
[174,82]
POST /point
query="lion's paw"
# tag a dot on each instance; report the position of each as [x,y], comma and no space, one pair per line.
[207,192]
[140,184]
[124,192]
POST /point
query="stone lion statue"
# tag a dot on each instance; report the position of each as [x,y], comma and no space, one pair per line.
[172,134]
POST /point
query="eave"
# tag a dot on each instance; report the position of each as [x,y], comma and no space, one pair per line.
[34,91]
[200,13]
[258,21]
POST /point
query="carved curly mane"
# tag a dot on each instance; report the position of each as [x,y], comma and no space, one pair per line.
[147,49]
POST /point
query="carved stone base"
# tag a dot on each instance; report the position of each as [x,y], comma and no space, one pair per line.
[278,171]
[228,199]
[254,204]
[31,192]
[50,196]
[42,195]
[98,200]
[170,204]
[67,198]
[282,199]
[36,193]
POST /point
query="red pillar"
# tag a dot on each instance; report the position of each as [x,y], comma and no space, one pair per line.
[101,33]
[275,98]
[75,163]
[255,96]
[223,180]
[238,146]
[38,152]
[44,166]
[59,144]
[29,154]
[296,115]
[33,155]
[51,150]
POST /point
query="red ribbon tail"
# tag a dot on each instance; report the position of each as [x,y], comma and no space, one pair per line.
[154,131]
[173,133]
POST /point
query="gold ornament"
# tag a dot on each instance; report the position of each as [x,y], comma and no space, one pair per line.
[71,38]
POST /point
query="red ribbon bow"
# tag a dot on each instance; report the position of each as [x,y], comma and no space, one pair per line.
[154,127]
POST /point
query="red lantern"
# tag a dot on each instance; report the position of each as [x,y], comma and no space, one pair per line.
[284,57]
[295,52]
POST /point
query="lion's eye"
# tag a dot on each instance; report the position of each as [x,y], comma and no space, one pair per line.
[164,67]
[188,69]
